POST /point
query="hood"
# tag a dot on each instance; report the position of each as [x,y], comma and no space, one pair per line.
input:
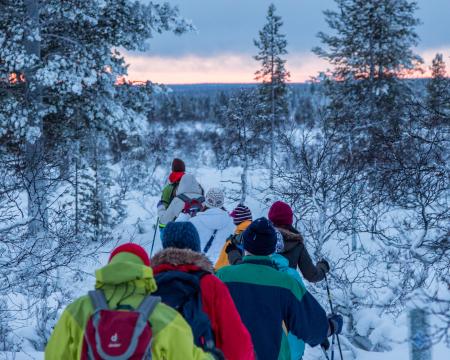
[291,238]
[188,184]
[175,177]
[281,261]
[242,226]
[124,269]
[214,219]
[181,259]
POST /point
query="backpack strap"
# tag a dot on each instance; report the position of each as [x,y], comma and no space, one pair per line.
[184,198]
[210,241]
[147,305]
[98,300]
[201,199]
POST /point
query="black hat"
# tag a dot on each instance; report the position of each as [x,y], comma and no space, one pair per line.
[260,238]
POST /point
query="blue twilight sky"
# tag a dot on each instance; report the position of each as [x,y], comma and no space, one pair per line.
[222,47]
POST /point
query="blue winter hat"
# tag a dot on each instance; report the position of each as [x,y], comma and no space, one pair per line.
[181,235]
[260,237]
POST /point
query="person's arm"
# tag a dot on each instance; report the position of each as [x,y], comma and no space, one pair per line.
[169,214]
[225,320]
[305,318]
[234,254]
[64,343]
[175,342]
[312,273]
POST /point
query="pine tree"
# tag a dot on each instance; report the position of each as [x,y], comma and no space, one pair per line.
[370,49]
[273,75]
[438,97]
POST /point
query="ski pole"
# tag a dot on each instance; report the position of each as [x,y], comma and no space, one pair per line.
[332,347]
[324,346]
[154,236]
[332,311]
[325,353]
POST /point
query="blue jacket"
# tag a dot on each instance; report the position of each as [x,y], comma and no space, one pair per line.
[266,298]
[296,345]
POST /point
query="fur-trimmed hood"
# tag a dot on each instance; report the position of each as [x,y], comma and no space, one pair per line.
[291,238]
[180,257]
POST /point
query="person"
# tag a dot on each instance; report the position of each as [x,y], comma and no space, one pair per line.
[125,282]
[242,218]
[169,191]
[268,299]
[189,191]
[296,345]
[294,249]
[213,224]
[180,264]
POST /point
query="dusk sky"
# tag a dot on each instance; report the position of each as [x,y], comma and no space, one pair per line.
[221,49]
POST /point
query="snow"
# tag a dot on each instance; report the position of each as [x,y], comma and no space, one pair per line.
[139,227]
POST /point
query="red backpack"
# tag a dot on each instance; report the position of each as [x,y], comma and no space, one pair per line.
[192,206]
[117,334]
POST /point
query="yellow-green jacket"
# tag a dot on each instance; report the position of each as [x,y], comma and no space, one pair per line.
[125,281]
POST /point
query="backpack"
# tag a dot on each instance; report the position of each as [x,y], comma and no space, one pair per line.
[168,193]
[181,291]
[118,335]
[191,206]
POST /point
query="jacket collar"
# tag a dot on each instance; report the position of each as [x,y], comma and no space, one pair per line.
[290,235]
[258,260]
[181,259]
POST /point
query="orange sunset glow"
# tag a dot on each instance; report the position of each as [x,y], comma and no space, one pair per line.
[230,68]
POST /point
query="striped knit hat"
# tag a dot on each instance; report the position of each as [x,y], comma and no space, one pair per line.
[240,214]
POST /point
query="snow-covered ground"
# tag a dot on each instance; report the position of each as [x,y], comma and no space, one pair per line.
[139,227]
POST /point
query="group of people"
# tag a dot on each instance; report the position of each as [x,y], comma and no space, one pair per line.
[251,304]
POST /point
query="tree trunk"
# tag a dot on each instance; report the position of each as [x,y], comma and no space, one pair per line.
[272,123]
[34,147]
[245,170]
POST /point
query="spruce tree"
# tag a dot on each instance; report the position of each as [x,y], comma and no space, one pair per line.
[370,49]
[438,97]
[273,75]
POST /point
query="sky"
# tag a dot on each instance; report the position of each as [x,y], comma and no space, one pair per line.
[221,49]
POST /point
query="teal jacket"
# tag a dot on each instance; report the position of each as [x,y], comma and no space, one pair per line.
[267,299]
[296,345]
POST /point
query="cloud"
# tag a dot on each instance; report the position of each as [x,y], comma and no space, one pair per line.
[222,68]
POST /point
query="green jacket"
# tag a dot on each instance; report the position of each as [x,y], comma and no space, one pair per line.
[126,280]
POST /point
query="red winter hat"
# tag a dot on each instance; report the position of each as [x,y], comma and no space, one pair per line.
[281,214]
[178,165]
[134,249]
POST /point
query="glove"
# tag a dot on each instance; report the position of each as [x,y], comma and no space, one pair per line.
[335,321]
[323,266]
[325,344]
[161,205]
[231,247]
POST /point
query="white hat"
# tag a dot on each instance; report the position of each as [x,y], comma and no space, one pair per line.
[214,198]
